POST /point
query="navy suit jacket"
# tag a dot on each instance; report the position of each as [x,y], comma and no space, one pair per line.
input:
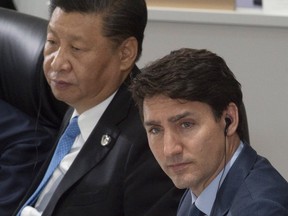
[24,146]
[119,179]
[252,187]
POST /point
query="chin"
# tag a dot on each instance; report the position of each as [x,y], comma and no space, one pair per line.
[58,96]
[181,182]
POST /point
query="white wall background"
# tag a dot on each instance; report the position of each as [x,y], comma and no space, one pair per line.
[33,7]
[257,55]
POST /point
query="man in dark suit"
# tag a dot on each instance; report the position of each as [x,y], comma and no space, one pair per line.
[89,59]
[191,105]
[24,145]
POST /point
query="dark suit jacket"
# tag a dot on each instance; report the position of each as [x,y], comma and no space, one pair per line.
[24,145]
[122,178]
[251,188]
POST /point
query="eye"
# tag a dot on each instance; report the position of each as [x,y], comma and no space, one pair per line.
[50,45]
[186,124]
[50,42]
[75,48]
[154,130]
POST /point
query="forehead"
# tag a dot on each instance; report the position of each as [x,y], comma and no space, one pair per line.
[74,22]
[162,108]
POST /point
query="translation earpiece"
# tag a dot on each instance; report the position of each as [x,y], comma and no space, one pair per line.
[228,123]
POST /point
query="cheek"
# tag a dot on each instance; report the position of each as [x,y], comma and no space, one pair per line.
[212,150]
[204,146]
[209,145]
[47,63]
[46,68]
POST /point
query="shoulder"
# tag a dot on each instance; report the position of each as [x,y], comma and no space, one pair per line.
[264,180]
[15,125]
[10,115]
[264,191]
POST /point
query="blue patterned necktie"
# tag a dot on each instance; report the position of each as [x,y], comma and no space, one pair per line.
[63,147]
[195,211]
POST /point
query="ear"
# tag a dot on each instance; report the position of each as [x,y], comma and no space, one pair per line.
[128,53]
[232,113]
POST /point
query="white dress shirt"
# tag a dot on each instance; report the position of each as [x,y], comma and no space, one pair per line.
[206,199]
[86,121]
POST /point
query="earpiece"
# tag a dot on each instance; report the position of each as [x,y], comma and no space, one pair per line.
[228,123]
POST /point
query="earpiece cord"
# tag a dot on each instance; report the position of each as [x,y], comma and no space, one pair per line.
[222,175]
[225,160]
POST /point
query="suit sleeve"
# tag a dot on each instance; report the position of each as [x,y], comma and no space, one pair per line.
[261,207]
[23,146]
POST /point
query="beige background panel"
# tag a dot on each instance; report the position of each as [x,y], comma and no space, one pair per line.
[201,4]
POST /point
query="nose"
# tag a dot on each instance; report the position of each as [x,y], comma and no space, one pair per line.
[172,144]
[60,60]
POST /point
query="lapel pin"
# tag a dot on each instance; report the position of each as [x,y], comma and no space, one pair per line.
[106,139]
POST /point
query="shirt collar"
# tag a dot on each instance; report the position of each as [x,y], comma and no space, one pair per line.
[89,119]
[206,199]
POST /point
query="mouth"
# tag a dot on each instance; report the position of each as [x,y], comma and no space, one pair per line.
[178,167]
[59,84]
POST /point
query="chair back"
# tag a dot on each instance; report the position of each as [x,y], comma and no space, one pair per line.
[22,82]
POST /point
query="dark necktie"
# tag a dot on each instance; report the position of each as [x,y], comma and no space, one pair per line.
[63,147]
[195,211]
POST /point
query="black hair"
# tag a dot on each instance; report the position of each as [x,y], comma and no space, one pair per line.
[191,75]
[121,19]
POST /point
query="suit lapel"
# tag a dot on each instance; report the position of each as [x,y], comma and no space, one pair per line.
[185,204]
[93,151]
[233,180]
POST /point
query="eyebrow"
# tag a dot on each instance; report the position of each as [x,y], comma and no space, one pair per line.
[179,117]
[172,119]
[151,123]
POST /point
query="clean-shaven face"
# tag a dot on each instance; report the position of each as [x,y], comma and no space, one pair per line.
[80,64]
[186,140]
